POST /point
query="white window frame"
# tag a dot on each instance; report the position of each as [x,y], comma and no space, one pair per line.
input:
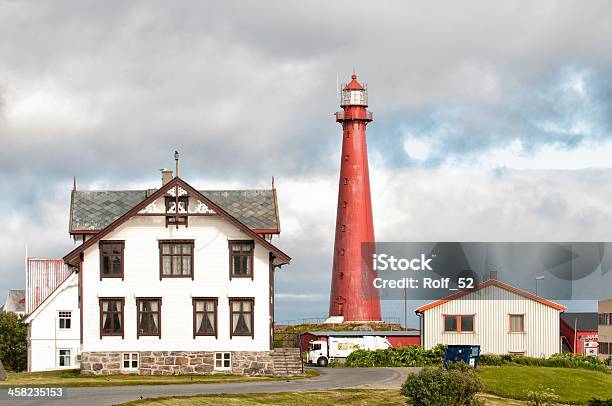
[63,317]
[60,356]
[132,356]
[224,356]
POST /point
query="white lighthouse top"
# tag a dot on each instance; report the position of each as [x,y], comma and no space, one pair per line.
[354,94]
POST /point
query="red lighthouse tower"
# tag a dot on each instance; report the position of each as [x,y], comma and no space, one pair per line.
[353,296]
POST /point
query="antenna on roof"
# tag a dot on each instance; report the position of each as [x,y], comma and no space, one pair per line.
[176,159]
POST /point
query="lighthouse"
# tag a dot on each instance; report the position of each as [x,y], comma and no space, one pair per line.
[353,297]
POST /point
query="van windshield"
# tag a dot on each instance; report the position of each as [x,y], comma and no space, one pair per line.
[315,347]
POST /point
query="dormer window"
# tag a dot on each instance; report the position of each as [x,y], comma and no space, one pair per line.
[183,205]
[111,259]
[177,215]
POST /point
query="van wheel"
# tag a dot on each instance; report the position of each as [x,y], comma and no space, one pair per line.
[322,362]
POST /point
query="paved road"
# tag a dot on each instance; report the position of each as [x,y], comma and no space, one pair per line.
[330,378]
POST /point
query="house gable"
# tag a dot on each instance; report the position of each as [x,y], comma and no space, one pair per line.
[73,257]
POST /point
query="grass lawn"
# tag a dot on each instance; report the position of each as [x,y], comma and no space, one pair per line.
[574,386]
[320,398]
[73,378]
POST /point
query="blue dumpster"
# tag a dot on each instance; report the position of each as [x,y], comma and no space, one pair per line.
[466,353]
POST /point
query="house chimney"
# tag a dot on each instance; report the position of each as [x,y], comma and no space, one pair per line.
[166,176]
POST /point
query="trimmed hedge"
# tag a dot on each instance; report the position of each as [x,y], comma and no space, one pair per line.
[410,356]
[562,360]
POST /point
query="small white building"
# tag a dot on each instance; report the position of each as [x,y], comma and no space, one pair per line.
[53,329]
[169,280]
[500,318]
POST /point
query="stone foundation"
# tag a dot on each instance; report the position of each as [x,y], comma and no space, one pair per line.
[184,362]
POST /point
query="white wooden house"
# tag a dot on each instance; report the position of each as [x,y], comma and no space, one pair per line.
[500,318]
[172,280]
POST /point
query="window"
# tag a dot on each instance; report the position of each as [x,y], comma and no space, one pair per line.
[149,319]
[459,323]
[517,323]
[605,348]
[130,360]
[450,323]
[177,207]
[205,316]
[176,259]
[223,360]
[64,320]
[605,319]
[241,259]
[183,204]
[111,259]
[111,316]
[241,316]
[467,323]
[315,347]
[63,358]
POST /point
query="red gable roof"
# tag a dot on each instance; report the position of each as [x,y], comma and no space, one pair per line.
[492,282]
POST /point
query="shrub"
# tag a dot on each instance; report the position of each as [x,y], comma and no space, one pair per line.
[456,386]
[542,397]
[410,356]
[599,402]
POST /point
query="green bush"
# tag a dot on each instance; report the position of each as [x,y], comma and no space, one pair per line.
[456,386]
[564,360]
[13,342]
[599,402]
[410,356]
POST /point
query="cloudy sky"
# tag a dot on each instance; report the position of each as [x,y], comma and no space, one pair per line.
[493,120]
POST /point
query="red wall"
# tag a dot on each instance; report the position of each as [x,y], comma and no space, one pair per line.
[582,336]
[404,341]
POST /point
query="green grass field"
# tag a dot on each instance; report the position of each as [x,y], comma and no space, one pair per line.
[362,397]
[574,386]
[72,378]
[359,397]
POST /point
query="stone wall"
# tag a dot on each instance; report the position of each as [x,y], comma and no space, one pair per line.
[181,362]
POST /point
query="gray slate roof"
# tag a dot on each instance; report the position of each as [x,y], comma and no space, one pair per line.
[94,210]
[15,301]
[354,333]
[586,321]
